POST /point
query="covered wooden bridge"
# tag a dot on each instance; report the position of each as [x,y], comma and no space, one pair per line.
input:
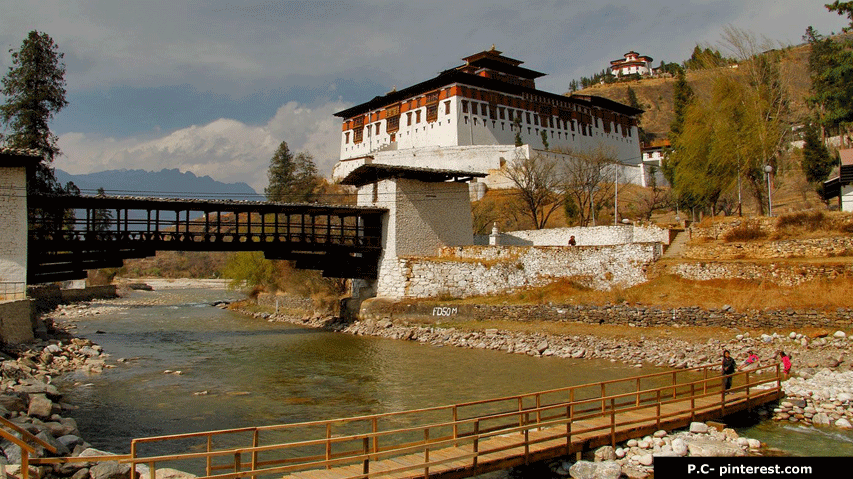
[71,234]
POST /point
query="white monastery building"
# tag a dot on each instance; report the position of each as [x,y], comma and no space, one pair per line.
[467,118]
[630,64]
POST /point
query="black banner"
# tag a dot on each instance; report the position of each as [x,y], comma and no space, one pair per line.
[752,467]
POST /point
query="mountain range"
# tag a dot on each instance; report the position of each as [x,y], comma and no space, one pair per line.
[169,183]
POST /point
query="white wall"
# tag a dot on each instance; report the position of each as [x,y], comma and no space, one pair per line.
[584,236]
[847,198]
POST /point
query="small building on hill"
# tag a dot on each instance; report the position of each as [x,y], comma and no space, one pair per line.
[632,63]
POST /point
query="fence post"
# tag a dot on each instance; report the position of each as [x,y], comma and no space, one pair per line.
[476,443]
[426,452]
[705,381]
[538,410]
[692,402]
[365,464]
[674,382]
[255,442]
[568,429]
[237,461]
[328,444]
[25,464]
[638,392]
[613,422]
[658,408]
[375,436]
[520,409]
[455,423]
[603,404]
[209,461]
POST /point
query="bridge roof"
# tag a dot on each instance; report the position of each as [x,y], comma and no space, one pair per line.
[186,204]
[16,157]
[373,172]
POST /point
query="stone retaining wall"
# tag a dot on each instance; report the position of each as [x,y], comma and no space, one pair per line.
[782,274]
[628,315]
[462,272]
[789,248]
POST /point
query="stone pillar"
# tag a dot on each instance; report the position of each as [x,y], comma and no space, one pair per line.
[14,168]
[16,324]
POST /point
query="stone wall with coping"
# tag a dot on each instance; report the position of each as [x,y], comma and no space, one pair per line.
[483,270]
[584,236]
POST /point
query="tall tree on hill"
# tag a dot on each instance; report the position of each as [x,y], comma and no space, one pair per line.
[34,88]
[292,178]
[842,8]
[831,72]
[734,131]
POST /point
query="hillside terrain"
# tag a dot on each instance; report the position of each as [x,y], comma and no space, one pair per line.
[655,94]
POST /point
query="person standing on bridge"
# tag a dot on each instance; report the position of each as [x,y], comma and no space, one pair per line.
[728,369]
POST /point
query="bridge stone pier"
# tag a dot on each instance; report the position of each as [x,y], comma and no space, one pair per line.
[15,318]
[427,209]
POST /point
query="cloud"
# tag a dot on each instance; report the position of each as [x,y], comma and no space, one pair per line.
[225,149]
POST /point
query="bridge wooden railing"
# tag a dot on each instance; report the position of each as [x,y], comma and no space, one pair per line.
[528,419]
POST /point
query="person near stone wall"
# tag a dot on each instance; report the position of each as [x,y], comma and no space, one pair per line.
[786,363]
[572,241]
[728,369]
[751,361]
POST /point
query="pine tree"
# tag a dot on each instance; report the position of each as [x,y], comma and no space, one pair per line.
[292,178]
[817,162]
[34,88]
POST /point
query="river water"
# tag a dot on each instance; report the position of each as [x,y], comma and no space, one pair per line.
[193,367]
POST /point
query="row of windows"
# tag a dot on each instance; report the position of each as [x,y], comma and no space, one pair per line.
[392,124]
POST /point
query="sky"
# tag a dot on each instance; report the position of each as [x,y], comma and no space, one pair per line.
[214,87]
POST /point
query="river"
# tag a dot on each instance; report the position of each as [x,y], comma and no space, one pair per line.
[191,367]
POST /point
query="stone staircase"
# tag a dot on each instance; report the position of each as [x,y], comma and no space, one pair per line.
[676,246]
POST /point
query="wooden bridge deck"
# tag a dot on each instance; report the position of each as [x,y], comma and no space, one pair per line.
[460,440]
[524,444]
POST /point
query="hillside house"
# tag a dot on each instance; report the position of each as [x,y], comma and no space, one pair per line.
[841,186]
[632,63]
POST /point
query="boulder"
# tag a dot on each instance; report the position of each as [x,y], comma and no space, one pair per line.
[584,470]
[605,453]
[40,406]
[679,447]
[110,470]
[701,447]
[698,428]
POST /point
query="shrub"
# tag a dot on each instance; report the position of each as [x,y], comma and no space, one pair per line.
[810,220]
[746,231]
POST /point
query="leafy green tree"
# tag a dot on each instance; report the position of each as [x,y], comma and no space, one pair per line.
[292,178]
[34,88]
[817,162]
[544,135]
[516,123]
[731,132]
[831,72]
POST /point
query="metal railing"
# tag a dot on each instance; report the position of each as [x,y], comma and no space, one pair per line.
[421,440]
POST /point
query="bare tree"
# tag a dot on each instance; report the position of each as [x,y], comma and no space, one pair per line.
[538,181]
[588,177]
[648,200]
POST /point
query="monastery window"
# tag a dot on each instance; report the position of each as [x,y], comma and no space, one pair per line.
[409,118]
[432,97]
[535,120]
[393,124]
[492,113]
[418,116]
[464,106]
[573,125]
[377,128]
[346,138]
[484,109]
[501,112]
[357,135]
[527,115]
[447,107]
[432,113]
